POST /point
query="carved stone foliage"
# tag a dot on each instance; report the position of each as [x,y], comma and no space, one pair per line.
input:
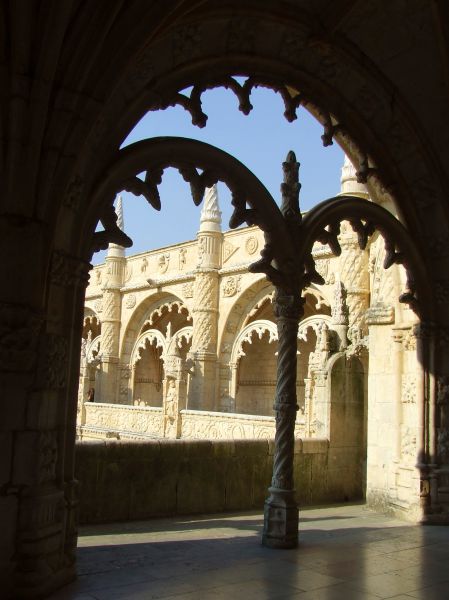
[54,361]
[382,284]
[68,271]
[231,285]
[19,334]
[98,306]
[322,267]
[339,306]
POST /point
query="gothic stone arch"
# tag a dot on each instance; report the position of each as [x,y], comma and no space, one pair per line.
[57,145]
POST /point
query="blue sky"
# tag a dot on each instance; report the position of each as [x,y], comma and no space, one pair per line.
[260,140]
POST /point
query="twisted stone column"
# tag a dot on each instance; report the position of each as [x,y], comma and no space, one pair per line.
[281,510]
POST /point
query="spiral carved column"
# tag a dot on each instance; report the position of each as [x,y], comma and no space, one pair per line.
[281,510]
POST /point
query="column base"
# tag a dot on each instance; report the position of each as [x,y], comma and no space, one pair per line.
[281,518]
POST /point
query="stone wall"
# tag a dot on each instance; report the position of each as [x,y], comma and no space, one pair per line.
[133,480]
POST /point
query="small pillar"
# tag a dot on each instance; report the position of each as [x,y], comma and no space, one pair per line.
[202,390]
[110,325]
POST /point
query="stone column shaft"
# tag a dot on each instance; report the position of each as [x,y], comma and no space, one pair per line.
[281,510]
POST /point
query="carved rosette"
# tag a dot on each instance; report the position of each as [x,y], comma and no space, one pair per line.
[205,311]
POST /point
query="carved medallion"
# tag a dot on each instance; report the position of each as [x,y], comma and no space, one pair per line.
[251,244]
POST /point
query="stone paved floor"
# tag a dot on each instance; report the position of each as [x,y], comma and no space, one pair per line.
[345,553]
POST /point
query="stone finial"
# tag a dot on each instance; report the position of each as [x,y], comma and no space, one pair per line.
[349,184]
[210,213]
[119,212]
[114,249]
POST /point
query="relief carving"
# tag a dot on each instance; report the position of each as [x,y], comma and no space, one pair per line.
[130,301]
[187,290]
[54,356]
[231,286]
[162,262]
[68,271]
[251,244]
[182,258]
[228,250]
[47,455]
